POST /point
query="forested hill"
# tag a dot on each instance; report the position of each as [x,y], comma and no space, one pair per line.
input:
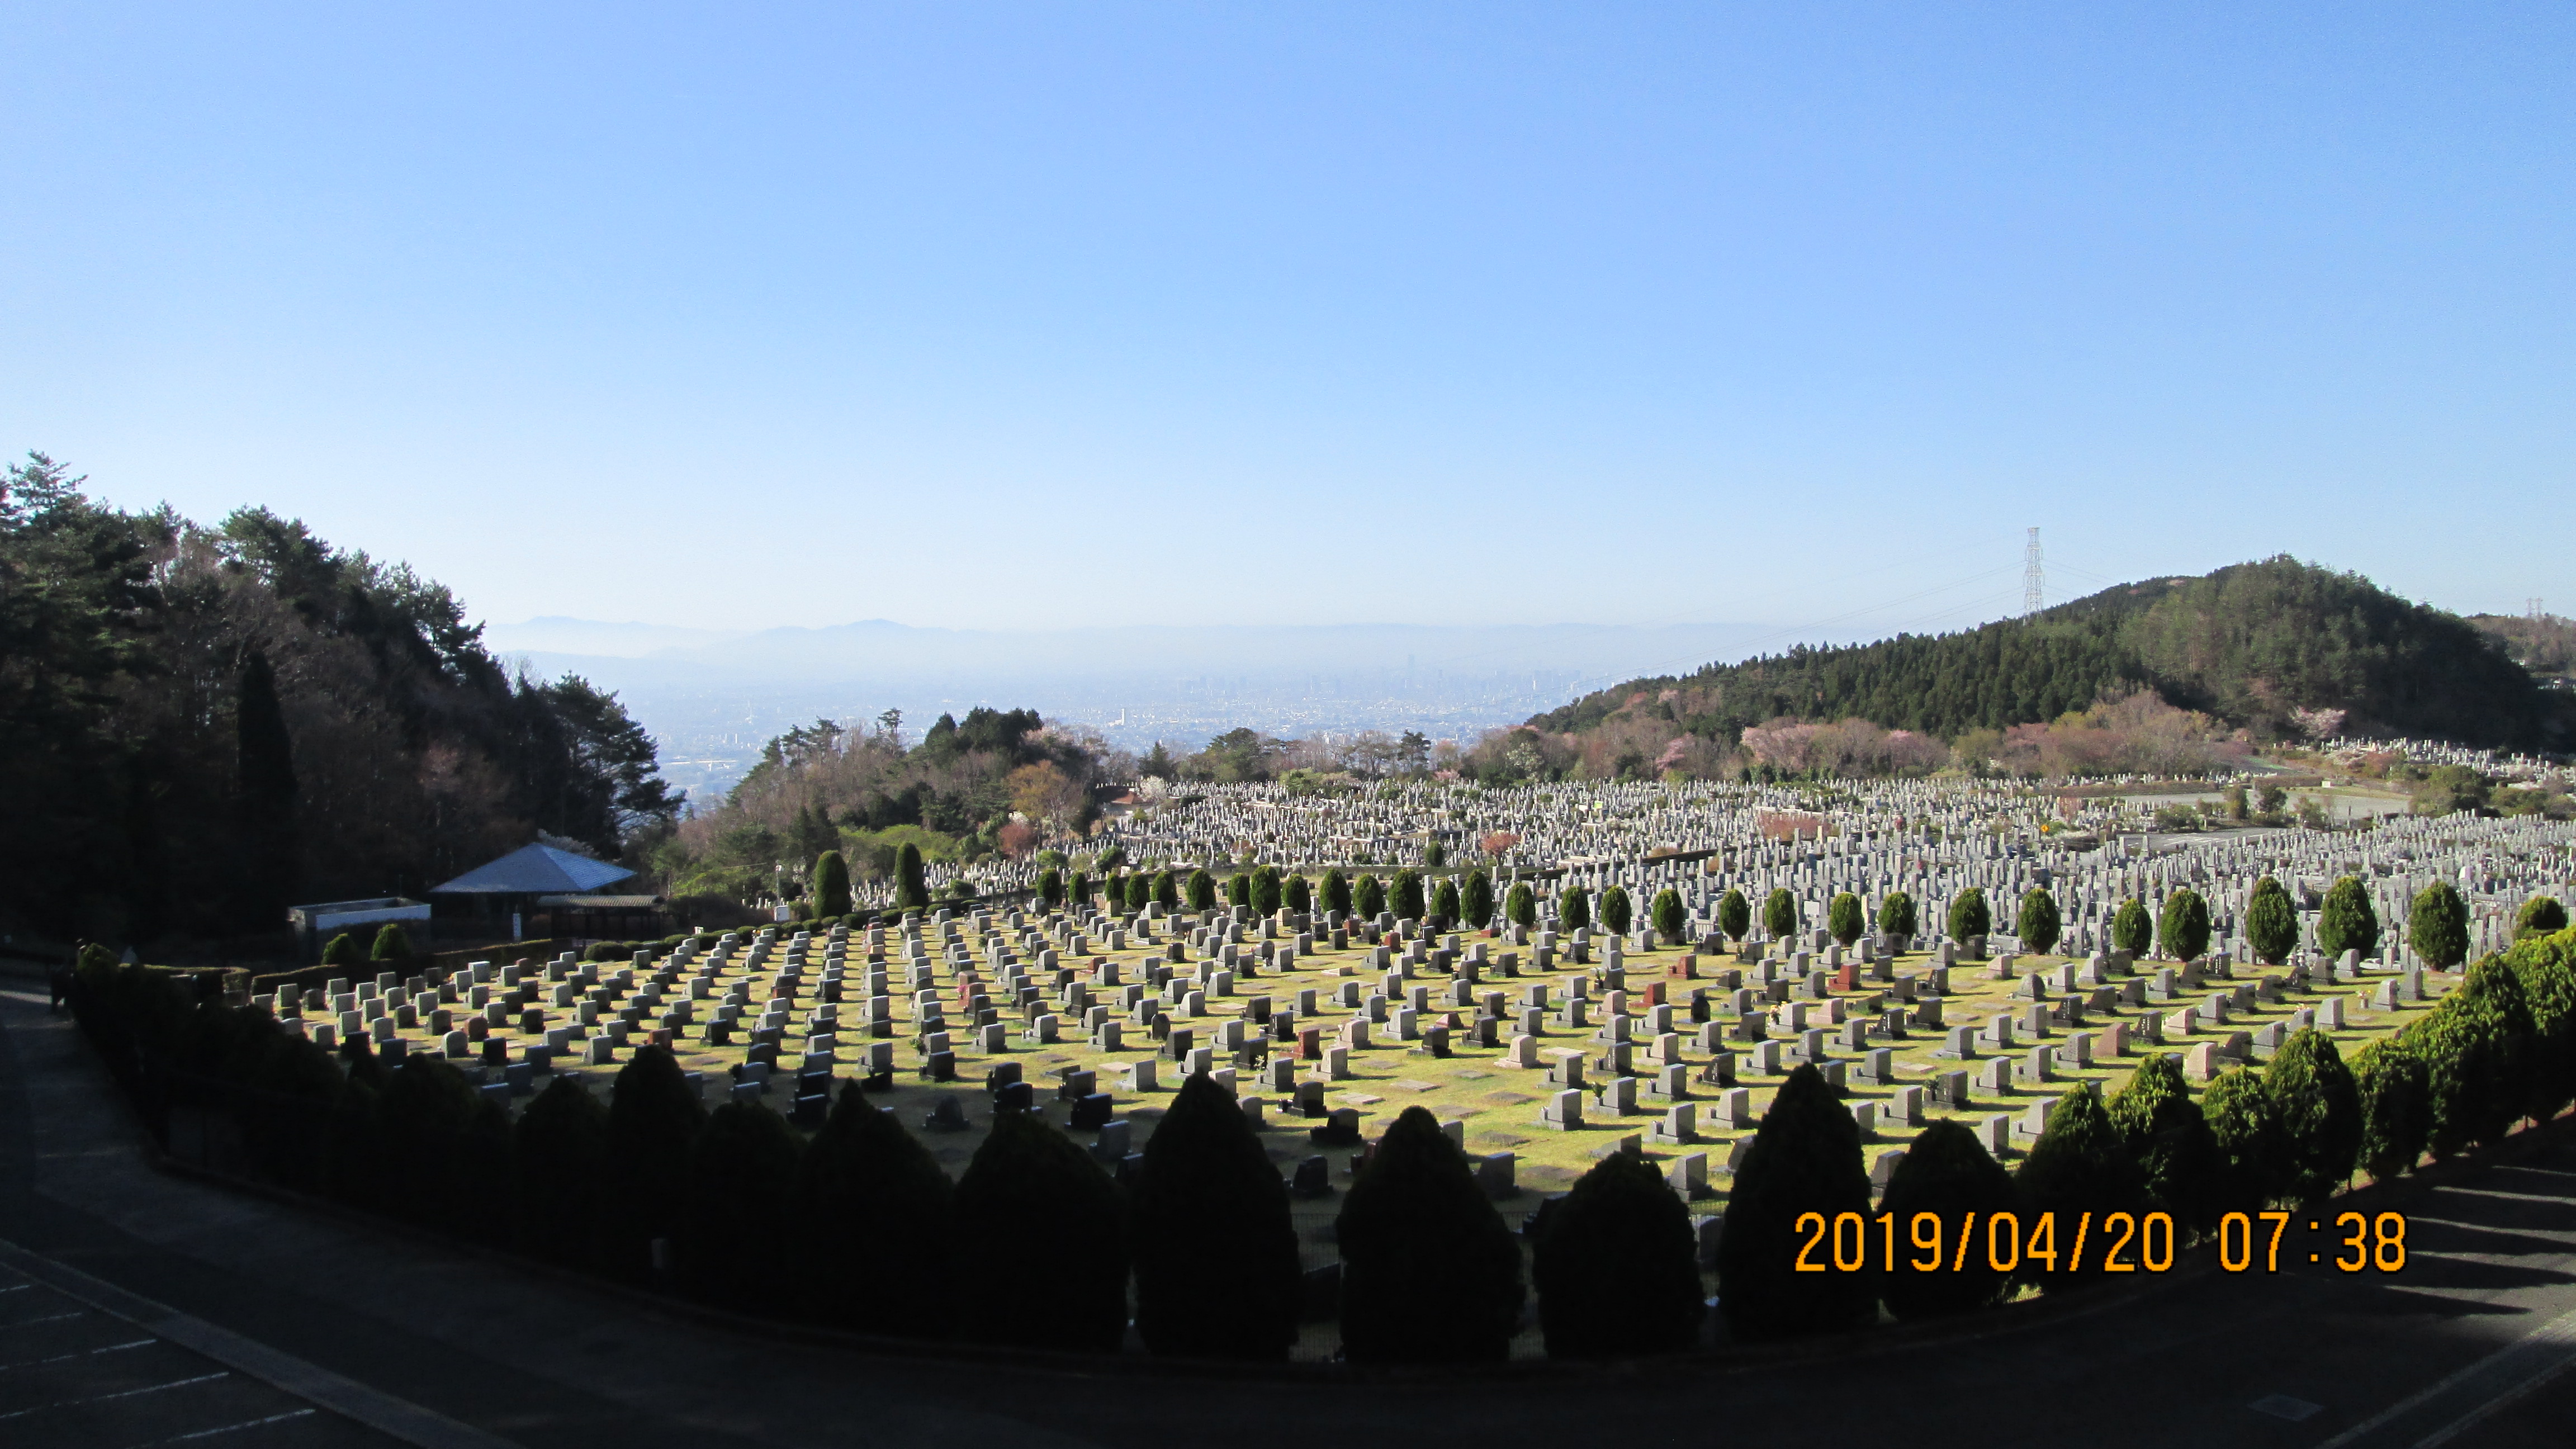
[200,726]
[2249,644]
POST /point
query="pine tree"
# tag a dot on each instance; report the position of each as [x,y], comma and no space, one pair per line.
[2039,926]
[1429,1272]
[1670,921]
[2348,922]
[831,885]
[1895,914]
[653,1122]
[1616,914]
[2131,930]
[1574,908]
[1734,914]
[1406,897]
[269,852]
[2079,1166]
[1844,918]
[2438,926]
[562,1150]
[1477,901]
[1949,1174]
[911,883]
[877,1219]
[2271,922]
[1805,1158]
[1041,1242]
[2318,1110]
[1969,915]
[1217,1273]
[2183,928]
[2396,1107]
[741,1168]
[1617,1270]
[1780,915]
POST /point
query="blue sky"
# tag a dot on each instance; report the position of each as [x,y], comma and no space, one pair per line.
[1098,314]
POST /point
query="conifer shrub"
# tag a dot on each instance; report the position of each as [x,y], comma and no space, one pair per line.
[1617,1269]
[2166,1134]
[1238,890]
[653,1121]
[912,881]
[357,1168]
[1406,897]
[1734,914]
[2539,916]
[2183,927]
[393,944]
[2271,922]
[1805,1158]
[2347,921]
[1574,908]
[1844,918]
[2078,1174]
[2547,968]
[2318,1110]
[562,1150]
[2038,927]
[1051,888]
[1202,891]
[2252,1154]
[1140,891]
[1429,1272]
[2476,1047]
[1970,915]
[831,884]
[1896,914]
[875,1215]
[1780,914]
[2396,1107]
[741,1169]
[2131,929]
[1371,899]
[1520,907]
[1167,890]
[1077,890]
[1477,900]
[344,951]
[1337,891]
[1669,918]
[425,1109]
[1616,913]
[1217,1274]
[1949,1174]
[2438,926]
[487,1176]
[1299,895]
[1266,890]
[1041,1242]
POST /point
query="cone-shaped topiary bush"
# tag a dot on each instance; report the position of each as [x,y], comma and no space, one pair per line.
[1167,891]
[1202,891]
[2131,930]
[1372,897]
[831,884]
[1734,914]
[741,1170]
[2182,930]
[653,1122]
[393,944]
[1444,901]
[1298,893]
[2251,1152]
[2547,967]
[426,1108]
[1617,913]
[1521,905]
[911,882]
[2271,922]
[1617,1270]
[2318,1111]
[1845,918]
[2038,926]
[2539,916]
[344,950]
[1896,914]
[1780,914]
[1805,1158]
[1670,920]
[2396,1107]
[1337,892]
[1406,897]
[1969,914]
[2078,1174]
[2348,921]
[1949,1174]
[1429,1272]
[562,1150]
[1266,891]
[1476,902]
[2168,1137]
[2476,1048]
[1574,908]
[875,1214]
[1217,1274]
[2438,926]
[1041,1246]
[1051,888]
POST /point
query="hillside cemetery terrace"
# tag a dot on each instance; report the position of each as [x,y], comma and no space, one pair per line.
[1539,1049]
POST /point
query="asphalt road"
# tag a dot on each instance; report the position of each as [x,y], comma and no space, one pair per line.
[243,1314]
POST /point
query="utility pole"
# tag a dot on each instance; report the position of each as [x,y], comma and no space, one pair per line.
[2032,581]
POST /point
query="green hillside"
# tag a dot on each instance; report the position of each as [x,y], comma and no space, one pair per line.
[2248,644]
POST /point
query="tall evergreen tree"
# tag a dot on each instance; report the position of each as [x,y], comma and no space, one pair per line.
[1202,891]
[911,881]
[562,1148]
[1477,900]
[1616,1268]
[1217,1274]
[1429,1272]
[2250,1145]
[1266,895]
[1050,888]
[2438,926]
[2348,922]
[2039,926]
[2547,968]
[2131,929]
[1444,901]
[2271,922]
[1371,898]
[1805,1158]
[2183,927]
[2165,1133]
[270,853]
[1298,895]
[1845,918]
[831,885]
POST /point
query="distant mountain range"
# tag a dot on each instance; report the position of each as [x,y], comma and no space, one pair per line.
[2252,644]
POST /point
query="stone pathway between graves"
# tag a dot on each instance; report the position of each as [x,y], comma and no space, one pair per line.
[2460,1347]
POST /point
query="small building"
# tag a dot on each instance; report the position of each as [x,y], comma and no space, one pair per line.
[316,924]
[509,896]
